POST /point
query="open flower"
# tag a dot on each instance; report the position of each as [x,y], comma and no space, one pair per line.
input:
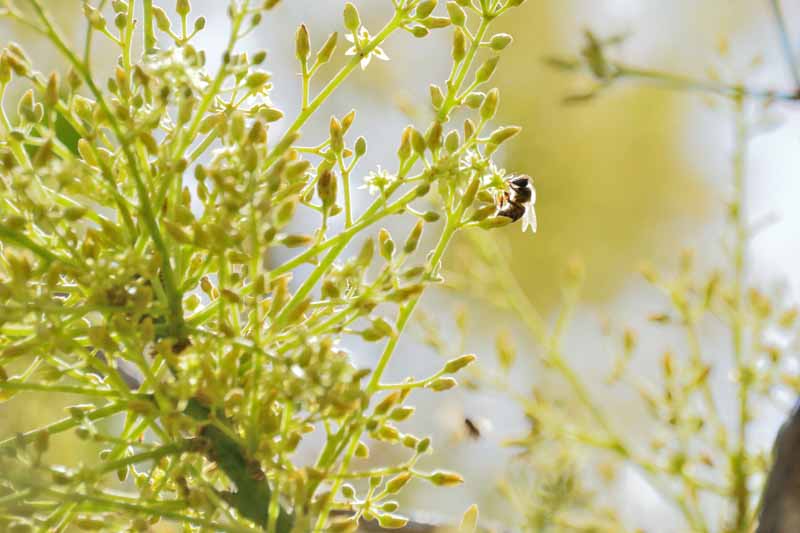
[359,45]
[378,180]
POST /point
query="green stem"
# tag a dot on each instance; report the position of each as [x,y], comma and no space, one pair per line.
[64,425]
[786,43]
[149,34]
[739,459]
[684,83]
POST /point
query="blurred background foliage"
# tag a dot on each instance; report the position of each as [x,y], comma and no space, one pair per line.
[636,173]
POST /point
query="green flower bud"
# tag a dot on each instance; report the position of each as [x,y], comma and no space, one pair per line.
[430,216]
[433,137]
[470,192]
[394,485]
[459,45]
[469,522]
[257,79]
[457,15]
[351,19]
[417,141]
[348,491]
[297,240]
[443,478]
[259,57]
[51,91]
[483,212]
[486,70]
[469,129]
[442,384]
[327,188]
[423,445]
[361,146]
[199,24]
[454,365]
[413,238]
[392,521]
[490,103]
[337,136]
[183,7]
[362,451]
[95,18]
[503,134]
[404,150]
[162,19]
[495,222]
[296,168]
[401,413]
[302,44]
[500,41]
[435,23]
[419,31]
[386,244]
[366,254]
[425,8]
[451,141]
[325,53]
[437,97]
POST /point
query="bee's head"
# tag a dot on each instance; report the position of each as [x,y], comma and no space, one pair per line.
[521,186]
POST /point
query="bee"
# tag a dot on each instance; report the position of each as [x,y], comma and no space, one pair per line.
[517,201]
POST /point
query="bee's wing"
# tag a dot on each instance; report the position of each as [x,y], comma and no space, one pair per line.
[529,218]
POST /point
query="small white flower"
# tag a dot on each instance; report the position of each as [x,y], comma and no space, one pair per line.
[358,46]
[378,180]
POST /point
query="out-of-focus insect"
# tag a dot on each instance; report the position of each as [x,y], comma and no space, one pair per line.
[472,428]
[517,201]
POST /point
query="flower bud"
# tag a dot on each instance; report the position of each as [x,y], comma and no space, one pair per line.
[183,7]
[361,146]
[327,186]
[351,19]
[486,70]
[162,19]
[454,365]
[442,384]
[457,15]
[503,134]
[302,44]
[433,137]
[392,521]
[437,97]
[474,99]
[500,41]
[325,53]
[413,238]
[417,141]
[404,150]
[394,485]
[337,136]
[489,105]
[451,141]
[459,45]
[443,478]
[424,9]
[386,244]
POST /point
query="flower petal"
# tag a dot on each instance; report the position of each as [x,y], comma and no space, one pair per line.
[380,54]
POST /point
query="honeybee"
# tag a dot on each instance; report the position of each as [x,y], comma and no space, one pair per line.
[517,201]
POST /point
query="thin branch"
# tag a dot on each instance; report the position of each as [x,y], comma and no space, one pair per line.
[786,43]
